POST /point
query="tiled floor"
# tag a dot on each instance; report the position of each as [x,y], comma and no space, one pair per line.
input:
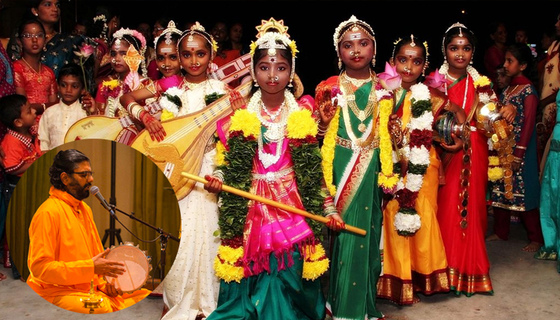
[525,288]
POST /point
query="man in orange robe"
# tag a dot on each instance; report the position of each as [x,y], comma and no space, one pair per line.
[65,251]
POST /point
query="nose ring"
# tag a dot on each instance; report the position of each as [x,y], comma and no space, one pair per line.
[406,69]
[113,60]
[196,64]
[275,78]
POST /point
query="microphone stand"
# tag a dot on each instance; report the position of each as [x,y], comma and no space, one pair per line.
[165,236]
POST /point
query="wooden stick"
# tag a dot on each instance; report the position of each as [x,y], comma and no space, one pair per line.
[274,203]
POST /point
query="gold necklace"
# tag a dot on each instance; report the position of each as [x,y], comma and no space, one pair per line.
[362,115]
[39,77]
[509,93]
[356,82]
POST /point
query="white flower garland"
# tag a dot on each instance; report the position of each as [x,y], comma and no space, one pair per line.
[167,104]
[407,223]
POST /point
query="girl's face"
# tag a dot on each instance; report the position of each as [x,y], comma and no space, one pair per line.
[195,56]
[356,49]
[70,89]
[273,73]
[167,58]
[32,39]
[48,11]
[118,51]
[409,62]
[236,32]
[459,52]
[512,66]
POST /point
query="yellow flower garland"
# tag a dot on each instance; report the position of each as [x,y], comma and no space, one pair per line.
[228,270]
[387,179]
[301,124]
[327,152]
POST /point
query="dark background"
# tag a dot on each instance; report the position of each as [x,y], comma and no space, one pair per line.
[312,23]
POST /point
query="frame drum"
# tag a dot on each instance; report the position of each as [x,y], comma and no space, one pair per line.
[137,266]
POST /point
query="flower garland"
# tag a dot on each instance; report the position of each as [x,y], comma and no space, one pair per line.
[387,178]
[170,102]
[407,220]
[236,164]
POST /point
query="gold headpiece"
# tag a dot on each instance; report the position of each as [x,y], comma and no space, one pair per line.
[272,40]
[167,32]
[357,24]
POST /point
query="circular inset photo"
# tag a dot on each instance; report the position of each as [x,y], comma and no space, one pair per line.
[93,227]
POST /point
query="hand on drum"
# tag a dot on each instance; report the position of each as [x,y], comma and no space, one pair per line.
[213,185]
[111,290]
[107,267]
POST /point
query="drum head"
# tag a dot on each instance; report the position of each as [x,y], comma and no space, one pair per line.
[137,266]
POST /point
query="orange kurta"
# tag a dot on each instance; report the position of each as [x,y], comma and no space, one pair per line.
[63,241]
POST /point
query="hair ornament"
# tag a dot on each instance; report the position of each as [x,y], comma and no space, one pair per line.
[457,25]
[167,33]
[273,40]
[356,25]
[412,43]
[100,17]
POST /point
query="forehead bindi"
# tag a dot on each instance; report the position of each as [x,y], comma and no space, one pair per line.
[355,34]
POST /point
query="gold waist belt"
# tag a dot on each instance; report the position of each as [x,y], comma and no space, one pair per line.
[359,145]
[272,176]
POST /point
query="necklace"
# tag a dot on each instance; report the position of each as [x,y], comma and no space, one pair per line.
[39,77]
[193,85]
[362,115]
[276,114]
[509,93]
[356,82]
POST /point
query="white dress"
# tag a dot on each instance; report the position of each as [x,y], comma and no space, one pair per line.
[191,286]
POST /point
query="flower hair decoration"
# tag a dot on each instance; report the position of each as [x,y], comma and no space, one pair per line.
[272,40]
[137,37]
[167,32]
[197,28]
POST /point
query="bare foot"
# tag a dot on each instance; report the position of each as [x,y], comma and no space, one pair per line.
[532,247]
[493,237]
[2,276]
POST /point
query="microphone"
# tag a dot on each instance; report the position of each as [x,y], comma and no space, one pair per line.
[95,191]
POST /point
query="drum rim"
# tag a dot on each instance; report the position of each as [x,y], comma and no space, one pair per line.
[129,245]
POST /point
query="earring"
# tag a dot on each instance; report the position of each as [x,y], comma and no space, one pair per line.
[373,62]
[255,83]
[339,64]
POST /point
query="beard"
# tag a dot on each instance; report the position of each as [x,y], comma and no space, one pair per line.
[77,191]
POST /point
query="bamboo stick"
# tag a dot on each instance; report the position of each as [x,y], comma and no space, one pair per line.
[274,203]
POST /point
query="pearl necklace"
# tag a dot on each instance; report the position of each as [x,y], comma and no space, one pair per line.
[276,114]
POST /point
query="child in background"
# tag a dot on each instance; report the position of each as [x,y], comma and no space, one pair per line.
[34,79]
[169,65]
[525,187]
[20,145]
[414,258]
[74,101]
